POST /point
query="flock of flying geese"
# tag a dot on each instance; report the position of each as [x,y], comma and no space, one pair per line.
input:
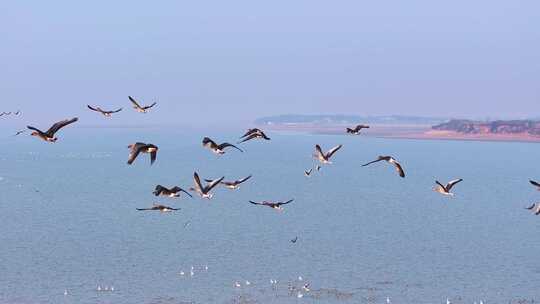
[204,189]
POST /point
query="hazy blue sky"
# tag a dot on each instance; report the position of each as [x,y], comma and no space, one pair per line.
[233,61]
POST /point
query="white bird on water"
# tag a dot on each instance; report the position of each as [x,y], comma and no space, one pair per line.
[248,283]
[387,300]
[447,301]
[237,285]
[65,292]
[300,295]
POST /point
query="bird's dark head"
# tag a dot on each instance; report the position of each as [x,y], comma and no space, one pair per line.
[54,139]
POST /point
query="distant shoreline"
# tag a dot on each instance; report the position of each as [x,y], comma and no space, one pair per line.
[417,132]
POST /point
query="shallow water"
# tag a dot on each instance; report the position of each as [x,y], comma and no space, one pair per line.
[67,212]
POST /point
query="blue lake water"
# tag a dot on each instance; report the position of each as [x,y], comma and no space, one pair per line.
[68,221]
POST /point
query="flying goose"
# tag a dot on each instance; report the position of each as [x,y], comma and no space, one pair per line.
[161,208]
[218,149]
[356,130]
[253,134]
[5,113]
[103,112]
[231,185]
[142,148]
[445,190]
[273,205]
[49,135]
[390,160]
[307,173]
[325,157]
[294,240]
[173,192]
[204,192]
[140,108]
[537,185]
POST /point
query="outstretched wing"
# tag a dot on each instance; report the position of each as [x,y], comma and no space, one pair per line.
[182,190]
[372,162]
[153,156]
[249,132]
[34,129]
[212,184]
[333,150]
[453,183]
[441,185]
[134,102]
[135,150]
[319,152]
[243,179]
[531,207]
[534,183]
[399,169]
[285,203]
[148,107]
[59,125]
[197,182]
[255,203]
[92,108]
[225,145]
[116,111]
[249,137]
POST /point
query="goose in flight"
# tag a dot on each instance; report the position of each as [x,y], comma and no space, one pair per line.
[325,157]
[5,113]
[49,135]
[273,205]
[218,149]
[253,134]
[103,112]
[142,148]
[445,190]
[307,173]
[204,192]
[157,207]
[294,240]
[231,185]
[138,107]
[173,192]
[390,160]
[356,130]
[537,185]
